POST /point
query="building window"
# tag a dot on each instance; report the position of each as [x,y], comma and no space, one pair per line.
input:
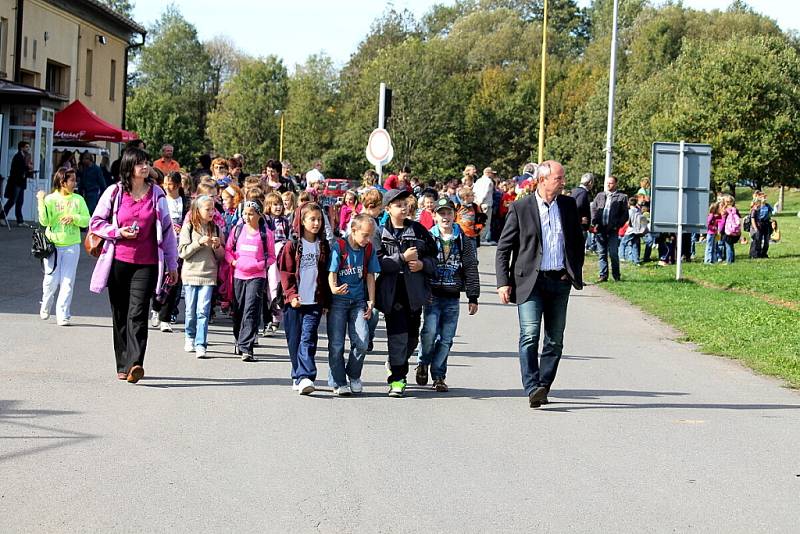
[112,87]
[34,50]
[24,47]
[3,47]
[29,78]
[87,81]
[57,79]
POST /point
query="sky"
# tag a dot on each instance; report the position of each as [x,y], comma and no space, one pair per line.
[297,29]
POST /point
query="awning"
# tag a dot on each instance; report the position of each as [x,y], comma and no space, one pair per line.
[78,123]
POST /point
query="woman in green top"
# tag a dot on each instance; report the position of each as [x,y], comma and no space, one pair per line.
[63,212]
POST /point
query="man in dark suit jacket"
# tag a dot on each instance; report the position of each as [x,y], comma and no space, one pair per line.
[539,259]
[609,214]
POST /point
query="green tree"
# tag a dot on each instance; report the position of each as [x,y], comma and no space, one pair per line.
[123,7]
[170,99]
[311,112]
[244,119]
[740,95]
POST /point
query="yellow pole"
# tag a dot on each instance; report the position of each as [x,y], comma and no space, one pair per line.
[280,154]
[542,89]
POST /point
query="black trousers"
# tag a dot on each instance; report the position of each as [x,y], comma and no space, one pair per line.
[759,241]
[402,335]
[170,307]
[247,297]
[130,287]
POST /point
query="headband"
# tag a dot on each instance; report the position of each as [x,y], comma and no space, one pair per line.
[230,191]
[203,198]
[255,204]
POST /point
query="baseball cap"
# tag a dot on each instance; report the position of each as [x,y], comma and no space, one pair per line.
[395,194]
[444,203]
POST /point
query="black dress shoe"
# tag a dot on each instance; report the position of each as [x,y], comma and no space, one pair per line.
[537,396]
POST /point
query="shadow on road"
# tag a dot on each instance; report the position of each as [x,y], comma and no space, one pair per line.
[53,438]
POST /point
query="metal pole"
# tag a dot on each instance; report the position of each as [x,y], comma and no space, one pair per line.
[280,151]
[381,110]
[543,84]
[611,90]
[679,245]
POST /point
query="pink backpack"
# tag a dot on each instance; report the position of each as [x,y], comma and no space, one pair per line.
[733,223]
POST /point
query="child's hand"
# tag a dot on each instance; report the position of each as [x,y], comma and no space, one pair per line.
[473,308]
[40,195]
[368,311]
[295,302]
[233,263]
[215,242]
[410,254]
[204,240]
[340,290]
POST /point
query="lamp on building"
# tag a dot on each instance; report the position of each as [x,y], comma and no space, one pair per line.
[102,39]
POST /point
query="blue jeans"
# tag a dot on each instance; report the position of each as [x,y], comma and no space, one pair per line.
[439,323]
[608,245]
[711,249]
[730,253]
[301,326]
[198,309]
[630,248]
[346,317]
[548,301]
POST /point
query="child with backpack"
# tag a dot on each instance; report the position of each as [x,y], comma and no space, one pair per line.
[351,277]
[732,228]
[250,251]
[303,266]
[281,229]
[200,248]
[408,258]
[469,216]
[456,271]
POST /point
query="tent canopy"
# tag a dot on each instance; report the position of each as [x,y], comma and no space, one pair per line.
[76,122]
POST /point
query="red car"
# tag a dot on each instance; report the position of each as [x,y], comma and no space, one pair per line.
[335,189]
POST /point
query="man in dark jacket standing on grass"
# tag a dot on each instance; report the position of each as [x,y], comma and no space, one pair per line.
[408,259]
[609,214]
[539,259]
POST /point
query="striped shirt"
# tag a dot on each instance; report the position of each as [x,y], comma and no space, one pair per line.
[552,235]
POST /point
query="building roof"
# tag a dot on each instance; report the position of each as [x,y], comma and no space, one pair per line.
[103,16]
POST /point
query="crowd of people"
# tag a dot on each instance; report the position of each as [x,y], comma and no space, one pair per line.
[273,252]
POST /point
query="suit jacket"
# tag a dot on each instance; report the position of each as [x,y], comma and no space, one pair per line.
[618,211]
[519,251]
[581,196]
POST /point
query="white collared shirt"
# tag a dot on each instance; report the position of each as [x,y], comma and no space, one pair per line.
[552,235]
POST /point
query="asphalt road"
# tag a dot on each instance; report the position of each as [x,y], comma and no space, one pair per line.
[644,434]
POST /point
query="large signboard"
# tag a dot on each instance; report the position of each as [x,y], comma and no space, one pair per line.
[680,193]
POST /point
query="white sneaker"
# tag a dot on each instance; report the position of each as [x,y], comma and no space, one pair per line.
[356,386]
[188,346]
[166,327]
[305,386]
[44,315]
[200,351]
[154,319]
[63,322]
[342,391]
[295,386]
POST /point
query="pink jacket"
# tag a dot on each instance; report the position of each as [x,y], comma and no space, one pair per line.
[104,224]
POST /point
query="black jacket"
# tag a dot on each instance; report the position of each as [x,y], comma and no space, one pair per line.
[18,175]
[581,196]
[519,251]
[618,215]
[392,266]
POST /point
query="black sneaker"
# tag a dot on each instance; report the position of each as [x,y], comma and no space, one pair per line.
[422,374]
[440,386]
[370,346]
[536,397]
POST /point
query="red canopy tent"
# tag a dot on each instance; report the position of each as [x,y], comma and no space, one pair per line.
[76,122]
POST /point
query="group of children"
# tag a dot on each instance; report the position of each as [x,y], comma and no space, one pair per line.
[272,263]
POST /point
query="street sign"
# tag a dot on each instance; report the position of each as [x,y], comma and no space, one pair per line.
[679,189]
[667,191]
[379,147]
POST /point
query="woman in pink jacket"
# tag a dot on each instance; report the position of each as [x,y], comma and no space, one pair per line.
[133,219]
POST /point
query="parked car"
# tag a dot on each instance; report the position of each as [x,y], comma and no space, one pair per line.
[335,189]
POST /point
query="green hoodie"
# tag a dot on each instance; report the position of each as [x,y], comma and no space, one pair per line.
[57,205]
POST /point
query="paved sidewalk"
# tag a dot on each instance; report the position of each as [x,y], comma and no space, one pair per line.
[643,435]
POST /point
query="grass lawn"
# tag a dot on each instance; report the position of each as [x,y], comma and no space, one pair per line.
[749,310]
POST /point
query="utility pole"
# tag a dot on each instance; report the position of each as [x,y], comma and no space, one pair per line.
[543,84]
[611,90]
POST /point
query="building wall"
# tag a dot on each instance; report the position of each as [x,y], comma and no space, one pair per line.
[67,41]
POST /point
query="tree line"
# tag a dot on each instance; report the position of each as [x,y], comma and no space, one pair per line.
[465,80]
